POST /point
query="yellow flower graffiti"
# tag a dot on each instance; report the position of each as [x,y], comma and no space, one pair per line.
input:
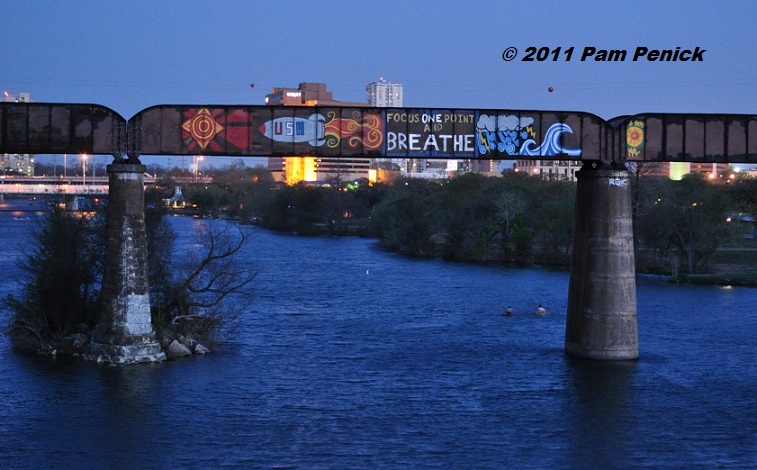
[635,137]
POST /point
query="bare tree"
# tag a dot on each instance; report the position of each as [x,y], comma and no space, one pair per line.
[194,303]
[509,205]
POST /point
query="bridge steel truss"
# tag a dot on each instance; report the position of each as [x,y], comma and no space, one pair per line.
[349,132]
[601,321]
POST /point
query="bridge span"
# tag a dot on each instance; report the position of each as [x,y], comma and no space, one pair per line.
[58,186]
[601,318]
[52,187]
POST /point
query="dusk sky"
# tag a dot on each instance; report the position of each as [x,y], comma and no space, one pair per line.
[129,55]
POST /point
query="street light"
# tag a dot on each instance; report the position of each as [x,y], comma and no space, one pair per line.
[198,159]
[83,169]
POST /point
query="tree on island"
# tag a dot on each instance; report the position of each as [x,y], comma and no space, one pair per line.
[60,300]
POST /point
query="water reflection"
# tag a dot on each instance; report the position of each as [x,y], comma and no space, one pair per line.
[130,399]
[602,398]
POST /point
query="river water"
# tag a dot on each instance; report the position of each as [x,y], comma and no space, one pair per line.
[351,357]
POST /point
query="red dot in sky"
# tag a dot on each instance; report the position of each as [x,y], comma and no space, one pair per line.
[550,89]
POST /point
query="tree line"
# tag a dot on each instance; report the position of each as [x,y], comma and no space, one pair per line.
[515,217]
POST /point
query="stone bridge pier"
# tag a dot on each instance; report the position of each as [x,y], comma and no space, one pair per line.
[125,334]
[601,318]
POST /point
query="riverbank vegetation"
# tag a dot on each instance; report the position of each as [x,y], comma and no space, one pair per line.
[692,230]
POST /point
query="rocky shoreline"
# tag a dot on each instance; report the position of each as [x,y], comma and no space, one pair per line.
[76,345]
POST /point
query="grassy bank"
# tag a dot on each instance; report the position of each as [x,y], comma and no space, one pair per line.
[733,265]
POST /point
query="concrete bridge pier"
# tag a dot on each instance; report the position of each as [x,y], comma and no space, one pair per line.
[601,318]
[71,202]
[125,334]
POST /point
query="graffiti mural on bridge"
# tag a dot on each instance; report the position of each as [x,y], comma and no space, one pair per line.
[354,132]
[514,136]
[221,130]
[359,131]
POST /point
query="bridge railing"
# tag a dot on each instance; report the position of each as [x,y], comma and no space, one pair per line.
[52,189]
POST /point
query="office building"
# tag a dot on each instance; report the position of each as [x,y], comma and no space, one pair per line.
[384,94]
[14,163]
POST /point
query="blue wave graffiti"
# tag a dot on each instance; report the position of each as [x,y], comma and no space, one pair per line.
[551,145]
[509,141]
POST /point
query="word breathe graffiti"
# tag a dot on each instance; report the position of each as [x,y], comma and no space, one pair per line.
[431,133]
[444,143]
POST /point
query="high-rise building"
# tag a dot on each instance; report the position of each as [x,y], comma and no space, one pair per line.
[293,170]
[15,163]
[384,94]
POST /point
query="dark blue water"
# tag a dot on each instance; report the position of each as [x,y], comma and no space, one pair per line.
[351,357]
